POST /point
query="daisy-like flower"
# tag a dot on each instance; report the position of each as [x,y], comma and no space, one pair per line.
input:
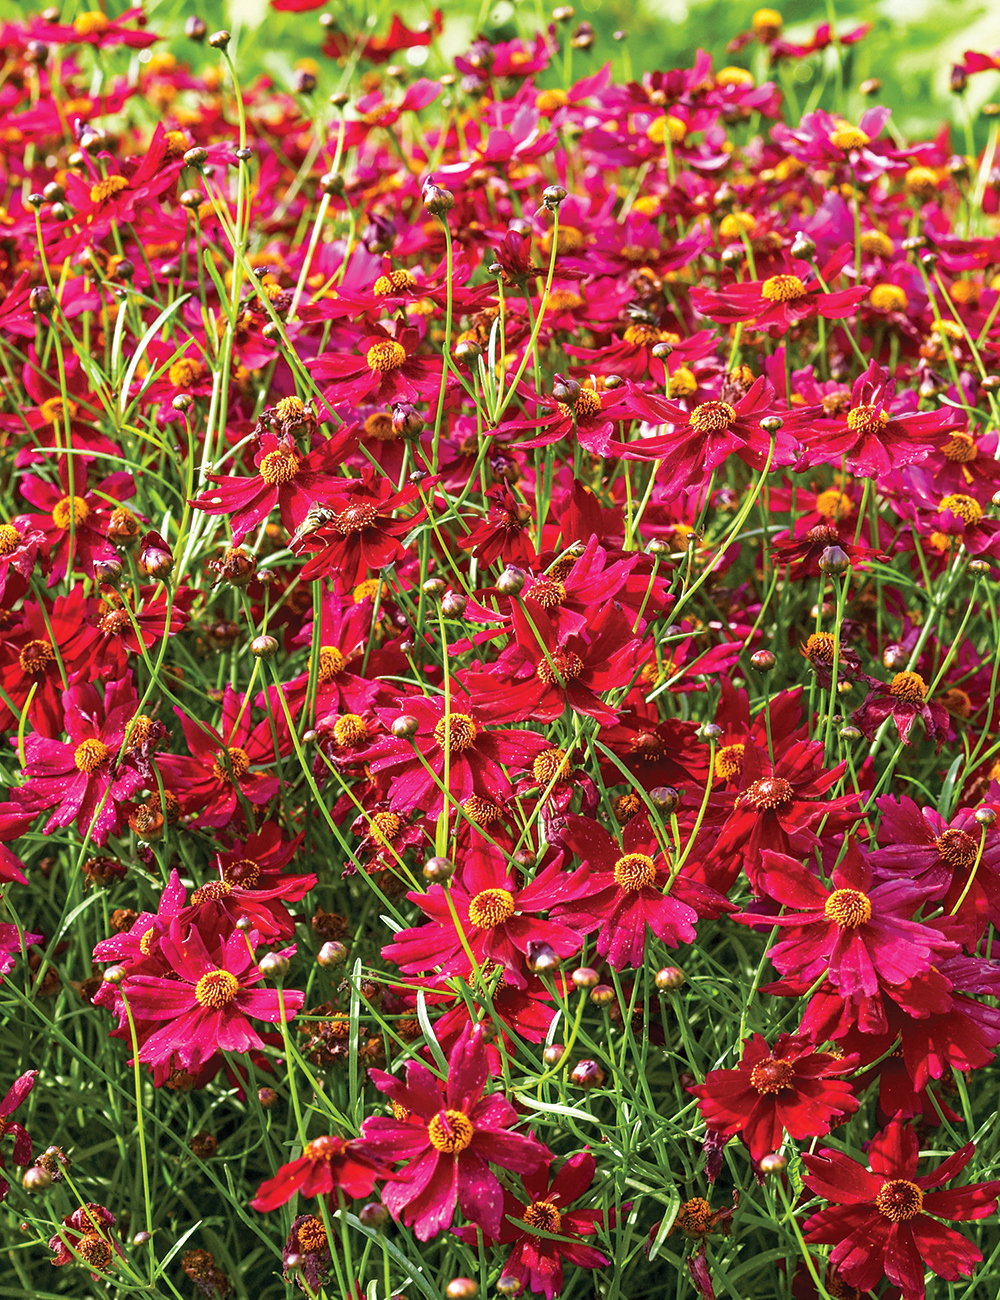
[779,303]
[448,1132]
[904,699]
[207,1000]
[86,1235]
[789,1087]
[390,372]
[327,1164]
[885,1221]
[17,1093]
[498,921]
[625,892]
[70,513]
[536,1262]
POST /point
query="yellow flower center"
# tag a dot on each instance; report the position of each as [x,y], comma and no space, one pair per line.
[643,336]
[961,448]
[588,403]
[967,508]
[876,244]
[729,762]
[635,871]
[278,467]
[70,509]
[331,663]
[711,417]
[458,732]
[450,1132]
[349,729]
[89,755]
[216,989]
[481,811]
[731,226]
[550,765]
[783,288]
[312,1235]
[54,408]
[394,282]
[772,1076]
[245,873]
[544,1215]
[549,101]
[491,908]
[733,77]
[909,686]
[867,419]
[848,908]
[10,539]
[567,664]
[35,656]
[92,1246]
[570,240]
[91,23]
[849,137]
[768,793]
[819,648]
[683,382]
[888,297]
[921,181]
[957,848]
[355,519]
[384,827]
[899,1199]
[106,189]
[385,356]
[834,504]
[185,372]
[767,20]
[239,763]
[547,592]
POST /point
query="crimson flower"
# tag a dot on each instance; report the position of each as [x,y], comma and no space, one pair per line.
[486,912]
[46,642]
[96,29]
[625,892]
[285,479]
[390,372]
[326,1164]
[782,301]
[504,533]
[17,1093]
[447,1131]
[86,1234]
[904,699]
[789,1087]
[207,998]
[885,1221]
[71,515]
[536,1263]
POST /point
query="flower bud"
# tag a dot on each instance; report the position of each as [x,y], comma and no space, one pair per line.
[453,605]
[36,1179]
[552,197]
[273,966]
[670,978]
[661,350]
[850,733]
[331,183]
[979,567]
[611,382]
[511,581]
[108,571]
[407,421]
[434,587]
[195,29]
[541,956]
[709,731]
[115,974]
[40,299]
[586,1074]
[871,86]
[665,798]
[986,816]
[834,560]
[264,647]
[191,199]
[508,1286]
[196,157]
[438,869]
[602,995]
[141,1238]
[894,657]
[267,1097]
[467,351]
[303,81]
[156,559]
[658,548]
[585,977]
[373,1215]
[332,954]
[553,1054]
[774,1163]
[762,660]
[732,255]
[404,727]
[462,1288]
[771,424]
[220,40]
[438,200]
[803,246]
[565,390]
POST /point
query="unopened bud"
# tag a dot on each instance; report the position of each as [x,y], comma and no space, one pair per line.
[462,1288]
[552,197]
[775,1163]
[36,1179]
[196,157]
[511,581]
[709,731]
[664,798]
[554,1053]
[195,29]
[40,299]
[602,995]
[220,40]
[771,423]
[405,727]
[585,977]
[273,966]
[834,560]
[454,604]
[156,559]
[586,1074]
[267,1097]
[438,200]
[986,816]
[669,978]
[108,571]
[803,246]
[438,869]
[264,647]
[332,954]
[762,660]
[373,1215]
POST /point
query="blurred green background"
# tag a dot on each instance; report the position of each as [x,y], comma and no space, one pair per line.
[911,48]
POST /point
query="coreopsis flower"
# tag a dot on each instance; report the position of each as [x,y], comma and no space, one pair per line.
[327,1164]
[86,1235]
[285,479]
[859,934]
[625,892]
[458,733]
[484,912]
[359,530]
[787,1088]
[21,545]
[48,645]
[782,301]
[16,1094]
[703,438]
[376,49]
[589,422]
[503,534]
[82,779]
[904,699]
[390,372]
[448,1132]
[208,998]
[536,1262]
[806,545]
[306,1254]
[885,1221]
[96,29]
[71,514]
[825,140]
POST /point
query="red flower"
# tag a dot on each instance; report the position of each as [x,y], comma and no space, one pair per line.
[326,1164]
[96,29]
[537,1262]
[504,533]
[885,1221]
[449,1134]
[390,372]
[73,515]
[904,699]
[782,301]
[16,1094]
[208,998]
[86,1234]
[485,911]
[789,1087]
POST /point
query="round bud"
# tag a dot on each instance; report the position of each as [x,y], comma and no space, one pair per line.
[762,660]
[602,995]
[844,688]
[566,390]
[985,816]
[40,299]
[434,587]
[803,246]
[732,255]
[453,605]
[834,560]
[140,1238]
[775,1163]
[467,351]
[267,1097]
[195,29]
[524,858]
[894,657]
[511,581]
[272,332]
[990,384]
[243,924]
[182,402]
[438,200]
[709,731]
[508,1286]
[36,1179]
[585,977]
[37,51]
[303,81]
[124,270]
[462,1288]
[36,199]
[60,212]
[108,571]
[913,243]
[658,548]
[541,956]
[332,954]
[612,382]
[264,647]
[404,727]
[552,196]
[438,869]
[196,157]
[553,1054]
[870,87]
[244,155]
[586,1074]
[373,1215]
[331,183]
[771,423]
[850,733]
[665,798]
[220,40]
[929,259]
[661,350]
[115,974]
[669,978]
[191,199]
[979,567]
[273,966]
